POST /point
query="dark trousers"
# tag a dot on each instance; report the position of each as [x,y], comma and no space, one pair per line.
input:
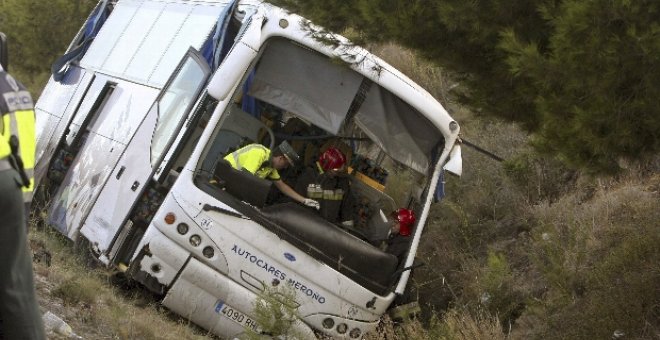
[20,317]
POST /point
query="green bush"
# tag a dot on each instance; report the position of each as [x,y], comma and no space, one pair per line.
[539,178]
[598,261]
[275,313]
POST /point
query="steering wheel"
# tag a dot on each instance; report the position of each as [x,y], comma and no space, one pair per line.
[271,135]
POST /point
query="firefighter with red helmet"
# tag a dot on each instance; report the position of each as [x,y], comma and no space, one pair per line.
[404,221]
[402,224]
[332,160]
[391,232]
[327,182]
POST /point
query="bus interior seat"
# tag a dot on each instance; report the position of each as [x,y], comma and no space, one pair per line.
[238,129]
[236,182]
[225,142]
[370,224]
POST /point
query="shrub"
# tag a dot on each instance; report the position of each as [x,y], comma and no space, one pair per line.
[275,313]
[599,262]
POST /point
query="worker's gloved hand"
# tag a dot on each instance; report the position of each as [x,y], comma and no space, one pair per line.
[312,203]
[348,223]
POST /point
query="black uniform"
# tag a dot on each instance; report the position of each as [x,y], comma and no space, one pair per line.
[333,192]
[19,312]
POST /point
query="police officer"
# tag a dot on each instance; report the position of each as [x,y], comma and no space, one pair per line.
[19,312]
[261,162]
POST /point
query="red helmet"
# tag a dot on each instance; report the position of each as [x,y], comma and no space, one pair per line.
[406,219]
[332,159]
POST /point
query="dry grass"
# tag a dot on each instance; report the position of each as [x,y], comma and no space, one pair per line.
[453,325]
[521,250]
[462,325]
[599,261]
[552,253]
[84,296]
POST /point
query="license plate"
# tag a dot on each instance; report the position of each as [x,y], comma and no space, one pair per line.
[235,315]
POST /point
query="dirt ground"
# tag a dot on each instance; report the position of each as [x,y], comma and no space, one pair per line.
[96,302]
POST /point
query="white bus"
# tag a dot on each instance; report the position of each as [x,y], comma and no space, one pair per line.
[153,93]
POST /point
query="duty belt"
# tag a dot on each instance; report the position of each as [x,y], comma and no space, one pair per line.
[5,164]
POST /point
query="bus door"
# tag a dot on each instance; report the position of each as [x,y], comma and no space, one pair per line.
[57,105]
[107,223]
[107,118]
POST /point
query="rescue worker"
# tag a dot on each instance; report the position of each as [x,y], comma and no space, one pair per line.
[390,231]
[328,182]
[20,317]
[261,162]
[403,222]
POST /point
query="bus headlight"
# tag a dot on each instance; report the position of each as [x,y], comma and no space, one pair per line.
[328,323]
[208,252]
[195,240]
[342,328]
[182,228]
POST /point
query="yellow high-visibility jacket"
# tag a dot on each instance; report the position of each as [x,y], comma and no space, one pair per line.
[18,119]
[254,158]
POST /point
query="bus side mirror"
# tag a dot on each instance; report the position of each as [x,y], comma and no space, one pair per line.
[230,71]
[455,163]
[240,57]
[4,54]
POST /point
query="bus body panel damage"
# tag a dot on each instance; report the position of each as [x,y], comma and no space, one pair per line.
[131,147]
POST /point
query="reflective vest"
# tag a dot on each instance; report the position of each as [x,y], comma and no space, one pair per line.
[18,120]
[337,203]
[254,158]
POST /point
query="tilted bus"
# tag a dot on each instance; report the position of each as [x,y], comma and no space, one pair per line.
[152,94]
